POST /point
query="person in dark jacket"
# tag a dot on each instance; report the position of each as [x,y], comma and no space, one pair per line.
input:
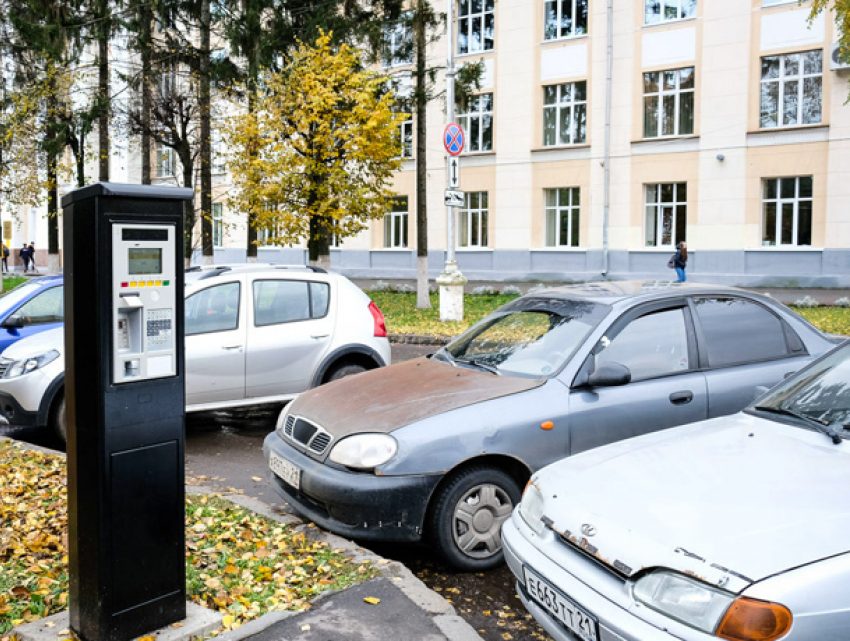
[681,261]
[25,257]
[5,259]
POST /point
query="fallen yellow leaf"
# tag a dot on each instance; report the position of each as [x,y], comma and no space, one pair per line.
[257,479]
[228,620]
[372,600]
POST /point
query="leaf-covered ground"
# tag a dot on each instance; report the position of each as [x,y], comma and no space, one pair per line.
[237,562]
[402,317]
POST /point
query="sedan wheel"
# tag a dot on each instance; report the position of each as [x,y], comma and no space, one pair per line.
[468,517]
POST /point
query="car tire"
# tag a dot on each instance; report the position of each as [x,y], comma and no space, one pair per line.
[57,419]
[466,521]
[345,370]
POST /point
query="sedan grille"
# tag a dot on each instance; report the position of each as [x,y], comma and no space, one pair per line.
[4,365]
[305,433]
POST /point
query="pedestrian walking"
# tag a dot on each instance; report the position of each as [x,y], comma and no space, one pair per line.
[32,257]
[25,257]
[680,261]
[5,259]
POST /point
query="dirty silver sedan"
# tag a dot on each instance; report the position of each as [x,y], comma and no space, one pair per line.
[734,528]
[439,448]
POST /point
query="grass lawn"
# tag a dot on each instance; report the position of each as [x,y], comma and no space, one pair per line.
[237,562]
[403,318]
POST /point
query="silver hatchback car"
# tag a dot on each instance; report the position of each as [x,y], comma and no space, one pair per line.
[734,528]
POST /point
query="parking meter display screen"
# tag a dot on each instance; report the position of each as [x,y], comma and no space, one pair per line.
[145,260]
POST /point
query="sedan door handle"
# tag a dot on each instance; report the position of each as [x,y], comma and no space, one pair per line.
[319,336]
[681,398]
[230,348]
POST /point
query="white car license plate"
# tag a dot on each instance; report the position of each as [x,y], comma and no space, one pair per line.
[576,620]
[290,474]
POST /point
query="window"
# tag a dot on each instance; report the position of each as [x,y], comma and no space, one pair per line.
[47,307]
[218,225]
[476,24]
[406,134]
[266,236]
[565,114]
[738,331]
[650,346]
[398,42]
[787,207]
[564,18]
[562,217]
[215,309]
[218,161]
[791,89]
[473,220]
[477,123]
[668,103]
[395,224]
[285,301]
[164,161]
[665,10]
[666,214]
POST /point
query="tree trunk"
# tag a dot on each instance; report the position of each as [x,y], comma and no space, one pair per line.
[147,100]
[319,246]
[423,297]
[206,135]
[253,74]
[103,93]
[188,207]
[53,263]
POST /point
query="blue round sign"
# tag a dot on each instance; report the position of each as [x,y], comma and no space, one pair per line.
[453,139]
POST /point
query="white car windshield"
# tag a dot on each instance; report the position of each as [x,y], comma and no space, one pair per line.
[820,393]
[528,337]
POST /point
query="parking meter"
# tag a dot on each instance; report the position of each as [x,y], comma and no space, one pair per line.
[125,407]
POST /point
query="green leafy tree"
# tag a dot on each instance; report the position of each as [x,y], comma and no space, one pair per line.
[317,156]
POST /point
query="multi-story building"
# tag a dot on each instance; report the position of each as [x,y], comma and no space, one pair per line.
[601,136]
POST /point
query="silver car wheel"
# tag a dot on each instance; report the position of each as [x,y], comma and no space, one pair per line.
[478,518]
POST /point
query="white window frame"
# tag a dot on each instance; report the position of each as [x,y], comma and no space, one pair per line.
[479,114]
[165,162]
[473,223]
[218,225]
[569,209]
[488,8]
[558,106]
[398,36]
[779,201]
[782,81]
[677,92]
[658,208]
[558,19]
[406,138]
[396,221]
[217,149]
[662,14]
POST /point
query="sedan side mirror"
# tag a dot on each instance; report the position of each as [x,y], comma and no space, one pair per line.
[14,321]
[610,375]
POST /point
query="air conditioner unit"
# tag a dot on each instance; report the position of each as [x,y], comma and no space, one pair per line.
[836,63]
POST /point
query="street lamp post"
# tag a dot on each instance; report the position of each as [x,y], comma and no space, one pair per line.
[451,281]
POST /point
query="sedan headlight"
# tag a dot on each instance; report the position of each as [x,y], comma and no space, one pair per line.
[364,451]
[30,364]
[531,508]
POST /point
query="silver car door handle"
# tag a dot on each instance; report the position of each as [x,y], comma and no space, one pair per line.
[319,336]
[231,347]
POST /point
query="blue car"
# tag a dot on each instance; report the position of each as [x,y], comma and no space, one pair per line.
[30,308]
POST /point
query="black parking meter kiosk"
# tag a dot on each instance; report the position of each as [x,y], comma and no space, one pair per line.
[125,404]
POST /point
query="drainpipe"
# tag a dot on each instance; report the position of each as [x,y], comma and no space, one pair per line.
[606,162]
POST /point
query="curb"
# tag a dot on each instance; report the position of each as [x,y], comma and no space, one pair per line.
[442,612]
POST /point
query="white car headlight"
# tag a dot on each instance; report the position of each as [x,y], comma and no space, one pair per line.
[531,508]
[364,451]
[30,364]
[687,600]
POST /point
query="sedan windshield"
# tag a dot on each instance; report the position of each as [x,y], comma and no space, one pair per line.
[820,393]
[528,337]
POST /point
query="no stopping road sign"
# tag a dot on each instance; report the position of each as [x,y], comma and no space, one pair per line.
[453,139]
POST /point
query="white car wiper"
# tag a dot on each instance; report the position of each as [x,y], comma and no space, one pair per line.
[819,425]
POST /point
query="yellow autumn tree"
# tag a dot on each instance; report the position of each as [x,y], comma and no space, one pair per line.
[316,158]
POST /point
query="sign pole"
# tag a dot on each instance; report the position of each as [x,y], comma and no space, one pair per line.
[451,281]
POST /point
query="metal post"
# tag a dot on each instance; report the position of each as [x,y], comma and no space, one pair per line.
[451,281]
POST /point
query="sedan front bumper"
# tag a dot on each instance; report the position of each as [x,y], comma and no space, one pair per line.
[602,594]
[354,504]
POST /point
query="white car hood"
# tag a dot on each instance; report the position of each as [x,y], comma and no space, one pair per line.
[731,501]
[37,344]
